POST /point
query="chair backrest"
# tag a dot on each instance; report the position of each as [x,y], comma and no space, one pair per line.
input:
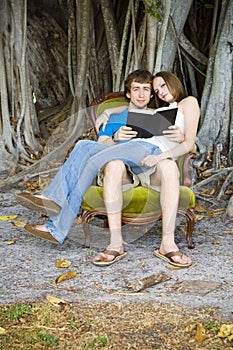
[110,100]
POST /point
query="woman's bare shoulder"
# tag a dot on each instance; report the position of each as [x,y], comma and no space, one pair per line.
[189,100]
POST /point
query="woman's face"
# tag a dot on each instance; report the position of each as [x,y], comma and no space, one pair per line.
[161,90]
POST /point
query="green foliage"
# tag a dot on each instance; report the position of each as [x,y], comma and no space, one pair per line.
[98,342]
[152,8]
[90,251]
[46,339]
[74,325]
[211,325]
[15,312]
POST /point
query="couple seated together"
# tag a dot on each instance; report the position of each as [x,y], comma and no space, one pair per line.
[121,159]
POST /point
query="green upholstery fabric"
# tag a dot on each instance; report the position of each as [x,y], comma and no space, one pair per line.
[139,201]
[111,103]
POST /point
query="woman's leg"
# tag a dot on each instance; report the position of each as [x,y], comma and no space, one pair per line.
[115,175]
[167,177]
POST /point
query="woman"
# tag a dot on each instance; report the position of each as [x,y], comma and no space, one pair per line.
[163,173]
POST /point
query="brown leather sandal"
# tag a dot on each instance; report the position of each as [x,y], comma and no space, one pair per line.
[103,262]
[168,258]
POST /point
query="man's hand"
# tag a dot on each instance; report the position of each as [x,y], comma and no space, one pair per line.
[174,134]
[124,133]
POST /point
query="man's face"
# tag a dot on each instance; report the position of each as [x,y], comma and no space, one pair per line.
[140,95]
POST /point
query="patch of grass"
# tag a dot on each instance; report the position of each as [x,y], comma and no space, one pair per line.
[97,343]
[112,325]
[212,325]
[46,339]
[16,312]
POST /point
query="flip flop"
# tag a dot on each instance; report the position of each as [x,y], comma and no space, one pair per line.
[39,233]
[44,205]
[117,256]
[168,258]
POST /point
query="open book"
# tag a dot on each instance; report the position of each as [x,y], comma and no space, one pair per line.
[150,123]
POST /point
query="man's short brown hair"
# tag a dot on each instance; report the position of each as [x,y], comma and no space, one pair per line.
[141,76]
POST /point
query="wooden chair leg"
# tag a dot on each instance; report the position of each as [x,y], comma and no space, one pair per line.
[188,214]
[86,229]
[190,219]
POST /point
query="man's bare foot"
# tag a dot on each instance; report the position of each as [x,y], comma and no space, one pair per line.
[41,228]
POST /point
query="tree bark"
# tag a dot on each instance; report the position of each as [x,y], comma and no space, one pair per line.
[112,35]
[215,103]
[178,15]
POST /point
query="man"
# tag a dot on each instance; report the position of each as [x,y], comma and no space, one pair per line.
[63,197]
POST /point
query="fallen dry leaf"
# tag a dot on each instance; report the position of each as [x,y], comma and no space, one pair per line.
[18,223]
[10,242]
[219,210]
[78,220]
[200,334]
[199,208]
[229,191]
[191,326]
[66,276]
[10,217]
[226,331]
[211,214]
[200,217]
[55,301]
[63,263]
[212,192]
[2,331]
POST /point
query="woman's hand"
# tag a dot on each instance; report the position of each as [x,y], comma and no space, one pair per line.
[101,120]
[104,116]
[150,160]
[174,134]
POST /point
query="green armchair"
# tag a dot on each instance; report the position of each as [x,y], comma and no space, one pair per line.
[141,204]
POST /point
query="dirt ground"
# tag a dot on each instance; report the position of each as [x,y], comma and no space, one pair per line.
[160,317]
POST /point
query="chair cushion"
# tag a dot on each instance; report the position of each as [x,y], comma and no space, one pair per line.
[139,201]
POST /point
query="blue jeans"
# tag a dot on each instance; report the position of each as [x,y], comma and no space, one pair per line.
[78,172]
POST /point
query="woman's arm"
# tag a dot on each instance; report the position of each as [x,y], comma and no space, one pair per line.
[103,118]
